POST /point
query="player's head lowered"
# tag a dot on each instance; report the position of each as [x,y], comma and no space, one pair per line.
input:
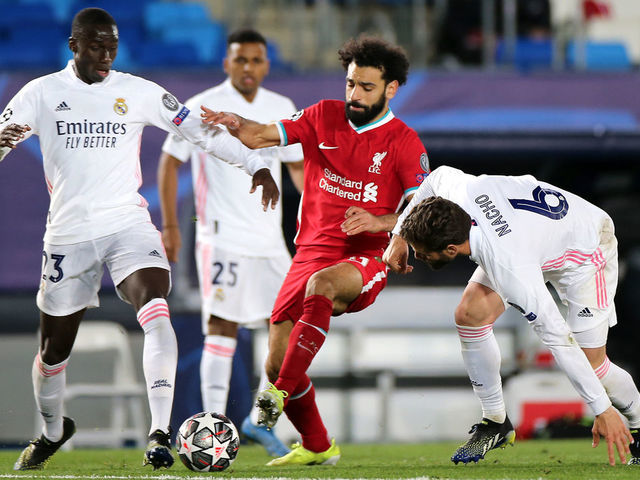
[375,70]
[246,61]
[94,43]
[436,228]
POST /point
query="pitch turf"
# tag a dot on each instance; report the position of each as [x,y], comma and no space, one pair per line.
[555,459]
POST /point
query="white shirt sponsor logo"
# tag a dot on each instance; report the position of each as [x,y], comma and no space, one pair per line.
[370,193]
[322,146]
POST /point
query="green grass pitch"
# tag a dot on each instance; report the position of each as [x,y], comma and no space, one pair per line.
[533,459]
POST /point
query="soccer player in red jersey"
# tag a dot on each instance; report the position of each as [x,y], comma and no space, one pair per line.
[360,164]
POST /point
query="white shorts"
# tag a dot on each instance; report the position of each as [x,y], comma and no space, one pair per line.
[72,274]
[586,291]
[236,287]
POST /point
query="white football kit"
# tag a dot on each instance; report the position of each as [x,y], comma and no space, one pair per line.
[90,140]
[526,232]
[241,253]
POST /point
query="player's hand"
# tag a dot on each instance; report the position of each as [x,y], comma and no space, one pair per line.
[358,220]
[396,256]
[12,134]
[172,241]
[228,119]
[610,426]
[270,192]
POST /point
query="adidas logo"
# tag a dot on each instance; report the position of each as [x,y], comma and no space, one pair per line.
[584,313]
[63,107]
[154,253]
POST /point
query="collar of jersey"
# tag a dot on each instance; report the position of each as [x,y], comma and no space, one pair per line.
[231,90]
[387,117]
[74,78]
[475,240]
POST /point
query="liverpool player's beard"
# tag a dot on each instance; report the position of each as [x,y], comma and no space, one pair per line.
[367,114]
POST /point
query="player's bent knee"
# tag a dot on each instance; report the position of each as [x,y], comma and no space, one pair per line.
[321,283]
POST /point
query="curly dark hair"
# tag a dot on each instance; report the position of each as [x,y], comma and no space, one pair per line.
[435,223]
[374,52]
[90,17]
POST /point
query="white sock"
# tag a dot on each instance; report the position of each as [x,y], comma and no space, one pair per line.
[264,384]
[48,389]
[481,357]
[215,371]
[159,361]
[622,391]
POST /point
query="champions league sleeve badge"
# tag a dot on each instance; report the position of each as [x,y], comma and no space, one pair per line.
[170,102]
[120,107]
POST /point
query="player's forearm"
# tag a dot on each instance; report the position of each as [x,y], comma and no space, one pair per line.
[168,190]
[573,362]
[257,135]
[388,221]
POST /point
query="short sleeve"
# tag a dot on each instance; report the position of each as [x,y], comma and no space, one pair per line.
[413,165]
[23,109]
[299,127]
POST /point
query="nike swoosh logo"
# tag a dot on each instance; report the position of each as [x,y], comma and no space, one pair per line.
[322,146]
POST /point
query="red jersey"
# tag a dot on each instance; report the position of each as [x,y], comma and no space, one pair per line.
[373,166]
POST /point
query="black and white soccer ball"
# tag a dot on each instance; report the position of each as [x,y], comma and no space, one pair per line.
[207,442]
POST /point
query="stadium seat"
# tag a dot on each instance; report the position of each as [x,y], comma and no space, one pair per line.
[162,16]
[61,8]
[529,53]
[160,55]
[128,420]
[30,14]
[600,56]
[208,40]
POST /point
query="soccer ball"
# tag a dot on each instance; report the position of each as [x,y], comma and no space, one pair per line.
[207,442]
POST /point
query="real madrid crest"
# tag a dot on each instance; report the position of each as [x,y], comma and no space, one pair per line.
[120,107]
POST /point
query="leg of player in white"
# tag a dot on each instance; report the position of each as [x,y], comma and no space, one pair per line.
[146,289]
[478,310]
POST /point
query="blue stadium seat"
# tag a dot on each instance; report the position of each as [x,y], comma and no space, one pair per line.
[208,39]
[276,62]
[529,53]
[61,8]
[601,55]
[38,34]
[120,10]
[158,55]
[15,14]
[29,56]
[161,16]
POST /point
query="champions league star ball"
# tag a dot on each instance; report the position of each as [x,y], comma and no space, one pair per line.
[207,442]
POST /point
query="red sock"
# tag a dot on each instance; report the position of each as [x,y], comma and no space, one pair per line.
[304,415]
[306,338]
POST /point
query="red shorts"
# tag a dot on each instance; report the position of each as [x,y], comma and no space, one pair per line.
[288,305]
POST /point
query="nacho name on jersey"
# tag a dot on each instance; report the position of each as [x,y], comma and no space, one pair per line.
[87,134]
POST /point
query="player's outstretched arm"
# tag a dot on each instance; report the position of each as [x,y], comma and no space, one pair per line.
[10,136]
[396,256]
[610,426]
[270,192]
[252,134]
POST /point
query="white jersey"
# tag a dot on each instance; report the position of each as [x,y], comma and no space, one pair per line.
[224,207]
[90,140]
[524,231]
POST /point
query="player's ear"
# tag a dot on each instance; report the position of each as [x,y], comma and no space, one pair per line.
[225,65]
[73,44]
[391,89]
